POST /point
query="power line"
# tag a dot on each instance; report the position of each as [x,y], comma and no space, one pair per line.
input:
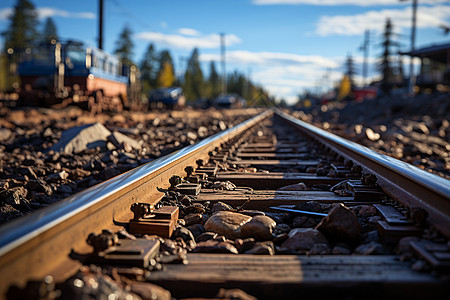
[130,15]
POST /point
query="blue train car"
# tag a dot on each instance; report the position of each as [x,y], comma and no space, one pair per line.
[87,76]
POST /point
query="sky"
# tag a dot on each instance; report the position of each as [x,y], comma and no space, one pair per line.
[287,46]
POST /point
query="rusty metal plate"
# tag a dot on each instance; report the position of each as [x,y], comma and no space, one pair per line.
[132,253]
[189,188]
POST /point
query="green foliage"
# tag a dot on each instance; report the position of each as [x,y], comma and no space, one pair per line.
[22,31]
[50,32]
[124,47]
[149,69]
[193,78]
[213,81]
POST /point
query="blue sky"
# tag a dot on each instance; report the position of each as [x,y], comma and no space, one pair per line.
[285,45]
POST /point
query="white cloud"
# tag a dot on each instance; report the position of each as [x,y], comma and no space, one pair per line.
[44,12]
[5,13]
[341,2]
[375,20]
[188,42]
[272,58]
[188,32]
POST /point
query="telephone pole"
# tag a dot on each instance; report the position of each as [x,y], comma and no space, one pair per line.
[413,46]
[100,24]
[365,47]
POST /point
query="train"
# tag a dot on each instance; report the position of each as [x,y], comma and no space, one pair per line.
[58,74]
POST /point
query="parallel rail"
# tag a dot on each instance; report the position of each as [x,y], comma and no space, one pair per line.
[41,243]
[404,182]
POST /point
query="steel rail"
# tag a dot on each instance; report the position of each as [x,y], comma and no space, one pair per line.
[404,182]
[38,244]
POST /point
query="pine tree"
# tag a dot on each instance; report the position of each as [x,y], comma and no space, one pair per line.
[124,47]
[350,70]
[22,31]
[385,64]
[193,78]
[50,32]
[213,80]
[149,69]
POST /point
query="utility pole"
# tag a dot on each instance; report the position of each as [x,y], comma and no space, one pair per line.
[100,24]
[224,72]
[365,47]
[413,46]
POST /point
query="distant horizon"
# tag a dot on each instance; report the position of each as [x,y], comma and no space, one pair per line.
[286,46]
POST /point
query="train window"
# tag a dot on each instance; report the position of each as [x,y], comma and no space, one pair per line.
[76,57]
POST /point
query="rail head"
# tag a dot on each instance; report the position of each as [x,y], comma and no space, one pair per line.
[400,180]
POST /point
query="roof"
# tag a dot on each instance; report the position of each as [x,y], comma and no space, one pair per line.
[434,52]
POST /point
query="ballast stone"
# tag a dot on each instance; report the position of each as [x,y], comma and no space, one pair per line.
[81,138]
[227,223]
[78,139]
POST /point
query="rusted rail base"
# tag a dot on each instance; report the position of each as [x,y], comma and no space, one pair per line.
[300,277]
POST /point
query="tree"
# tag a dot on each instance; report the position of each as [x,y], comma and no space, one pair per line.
[213,80]
[165,69]
[193,78]
[124,47]
[385,65]
[22,31]
[49,32]
[166,76]
[350,70]
[149,69]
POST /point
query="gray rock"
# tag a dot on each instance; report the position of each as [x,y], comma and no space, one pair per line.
[371,248]
[320,249]
[262,248]
[302,240]
[196,230]
[206,236]
[367,211]
[192,219]
[340,250]
[341,225]
[227,223]
[78,139]
[212,246]
[63,175]
[119,140]
[281,228]
[186,235]
[39,185]
[220,206]
[13,196]
[304,222]
[260,228]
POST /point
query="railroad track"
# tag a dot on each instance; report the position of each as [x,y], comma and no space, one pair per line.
[245,171]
